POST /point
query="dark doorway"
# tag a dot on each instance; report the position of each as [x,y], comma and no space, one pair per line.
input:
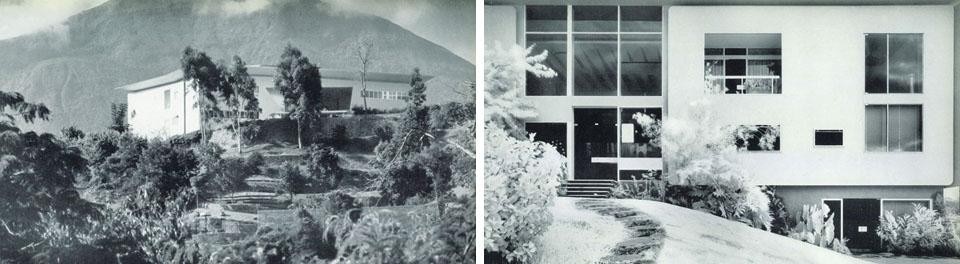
[861,218]
[594,136]
[837,214]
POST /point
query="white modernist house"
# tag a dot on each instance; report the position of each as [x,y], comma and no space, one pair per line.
[166,105]
[858,99]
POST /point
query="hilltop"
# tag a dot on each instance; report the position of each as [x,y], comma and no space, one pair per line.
[73,68]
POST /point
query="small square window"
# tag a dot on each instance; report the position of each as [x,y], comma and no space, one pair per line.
[828,138]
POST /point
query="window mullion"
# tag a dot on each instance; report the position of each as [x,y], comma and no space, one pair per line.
[619,79]
[570,52]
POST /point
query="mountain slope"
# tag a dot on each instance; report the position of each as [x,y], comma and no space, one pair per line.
[74,68]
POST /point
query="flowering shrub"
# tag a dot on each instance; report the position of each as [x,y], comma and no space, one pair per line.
[699,153]
[521,181]
[923,232]
[815,227]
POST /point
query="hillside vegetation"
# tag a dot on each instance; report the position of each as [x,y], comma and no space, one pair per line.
[74,68]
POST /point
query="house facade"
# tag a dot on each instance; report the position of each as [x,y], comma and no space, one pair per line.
[852,105]
[166,105]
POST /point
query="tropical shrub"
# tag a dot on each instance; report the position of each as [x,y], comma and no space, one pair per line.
[404,180]
[778,210]
[815,226]
[922,232]
[339,202]
[699,152]
[521,181]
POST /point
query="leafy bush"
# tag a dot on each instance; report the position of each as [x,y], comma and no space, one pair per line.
[293,179]
[339,202]
[816,227]
[384,133]
[699,151]
[324,167]
[404,180]
[451,114]
[781,217]
[922,232]
[520,183]
[648,187]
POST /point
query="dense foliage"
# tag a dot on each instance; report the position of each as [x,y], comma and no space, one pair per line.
[707,177]
[504,75]
[922,232]
[299,81]
[521,181]
[815,226]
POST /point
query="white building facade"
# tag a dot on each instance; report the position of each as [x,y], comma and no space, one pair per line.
[859,99]
[166,105]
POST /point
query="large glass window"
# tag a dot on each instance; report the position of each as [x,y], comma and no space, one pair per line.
[595,64]
[742,63]
[894,63]
[894,128]
[637,135]
[546,18]
[640,64]
[556,47]
[552,133]
[616,49]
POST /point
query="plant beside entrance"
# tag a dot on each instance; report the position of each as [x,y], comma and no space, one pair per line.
[815,226]
[922,232]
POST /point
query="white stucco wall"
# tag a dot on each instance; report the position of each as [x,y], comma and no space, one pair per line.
[147,116]
[823,88]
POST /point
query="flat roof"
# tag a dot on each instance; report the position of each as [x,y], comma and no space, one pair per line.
[270,71]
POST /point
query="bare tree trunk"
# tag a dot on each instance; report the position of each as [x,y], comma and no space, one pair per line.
[239,132]
[299,137]
[363,83]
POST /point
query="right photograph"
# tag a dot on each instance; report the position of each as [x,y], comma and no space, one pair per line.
[721,131]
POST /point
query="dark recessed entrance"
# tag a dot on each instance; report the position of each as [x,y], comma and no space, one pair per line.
[861,218]
[595,143]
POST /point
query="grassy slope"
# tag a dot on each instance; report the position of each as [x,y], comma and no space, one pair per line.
[578,236]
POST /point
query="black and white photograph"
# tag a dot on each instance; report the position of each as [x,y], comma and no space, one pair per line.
[721,131]
[238,131]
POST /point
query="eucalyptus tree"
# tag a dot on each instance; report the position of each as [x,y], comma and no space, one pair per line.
[243,99]
[207,80]
[299,82]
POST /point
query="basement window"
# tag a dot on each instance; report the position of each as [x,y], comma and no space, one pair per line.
[828,138]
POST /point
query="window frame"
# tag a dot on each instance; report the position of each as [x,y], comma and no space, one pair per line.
[887,63]
[747,57]
[570,34]
[746,147]
[815,131]
[886,108]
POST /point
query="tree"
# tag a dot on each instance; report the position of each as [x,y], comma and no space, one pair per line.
[364,55]
[412,133]
[206,79]
[293,179]
[243,99]
[118,117]
[299,82]
[504,78]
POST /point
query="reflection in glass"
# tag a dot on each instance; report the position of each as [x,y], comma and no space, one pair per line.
[906,62]
[546,18]
[640,19]
[640,59]
[876,63]
[876,127]
[556,46]
[595,64]
[594,18]
[633,142]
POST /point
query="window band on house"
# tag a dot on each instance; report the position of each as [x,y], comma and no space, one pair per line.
[606,50]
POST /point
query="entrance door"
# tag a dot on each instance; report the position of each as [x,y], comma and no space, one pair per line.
[595,143]
[861,218]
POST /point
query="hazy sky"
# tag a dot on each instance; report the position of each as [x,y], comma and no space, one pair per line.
[449,23]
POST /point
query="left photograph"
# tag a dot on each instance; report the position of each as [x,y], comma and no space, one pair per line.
[237,131]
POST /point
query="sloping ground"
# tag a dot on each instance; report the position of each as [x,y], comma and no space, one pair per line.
[578,235]
[690,236]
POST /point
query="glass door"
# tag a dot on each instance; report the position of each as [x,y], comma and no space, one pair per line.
[595,143]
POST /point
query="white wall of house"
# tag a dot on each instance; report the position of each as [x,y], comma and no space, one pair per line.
[150,116]
[823,52]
